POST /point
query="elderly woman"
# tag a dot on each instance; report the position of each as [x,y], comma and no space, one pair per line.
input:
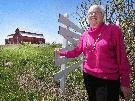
[105,68]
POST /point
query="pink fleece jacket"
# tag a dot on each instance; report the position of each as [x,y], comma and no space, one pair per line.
[109,59]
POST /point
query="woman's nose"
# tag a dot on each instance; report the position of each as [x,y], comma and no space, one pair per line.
[93,13]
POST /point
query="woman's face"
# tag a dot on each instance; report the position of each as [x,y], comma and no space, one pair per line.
[95,17]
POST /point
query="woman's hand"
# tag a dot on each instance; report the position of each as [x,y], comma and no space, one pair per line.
[127,92]
[57,51]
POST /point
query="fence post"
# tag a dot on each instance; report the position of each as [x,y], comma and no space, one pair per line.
[63,66]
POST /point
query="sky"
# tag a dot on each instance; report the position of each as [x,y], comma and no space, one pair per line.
[40,16]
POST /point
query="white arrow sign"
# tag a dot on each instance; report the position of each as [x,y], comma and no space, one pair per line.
[67,22]
[64,72]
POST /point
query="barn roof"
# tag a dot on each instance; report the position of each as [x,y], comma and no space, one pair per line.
[27,34]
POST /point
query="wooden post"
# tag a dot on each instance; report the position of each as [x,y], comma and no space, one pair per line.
[63,66]
[72,38]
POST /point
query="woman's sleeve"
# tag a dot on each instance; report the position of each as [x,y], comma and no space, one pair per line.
[124,66]
[76,51]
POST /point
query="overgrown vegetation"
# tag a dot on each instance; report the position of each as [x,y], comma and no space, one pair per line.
[26,74]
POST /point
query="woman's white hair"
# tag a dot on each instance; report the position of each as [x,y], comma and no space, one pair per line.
[100,7]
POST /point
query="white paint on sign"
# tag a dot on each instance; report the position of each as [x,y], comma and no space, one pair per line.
[64,72]
[68,33]
[71,37]
[71,40]
[68,23]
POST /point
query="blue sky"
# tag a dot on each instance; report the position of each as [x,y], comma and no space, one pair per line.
[40,16]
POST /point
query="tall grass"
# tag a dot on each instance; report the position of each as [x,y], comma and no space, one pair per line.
[26,74]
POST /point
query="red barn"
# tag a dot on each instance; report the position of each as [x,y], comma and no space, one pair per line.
[21,36]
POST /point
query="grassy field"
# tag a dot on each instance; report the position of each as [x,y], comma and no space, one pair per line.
[26,74]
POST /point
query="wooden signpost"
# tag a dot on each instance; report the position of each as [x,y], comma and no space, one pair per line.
[69,37]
